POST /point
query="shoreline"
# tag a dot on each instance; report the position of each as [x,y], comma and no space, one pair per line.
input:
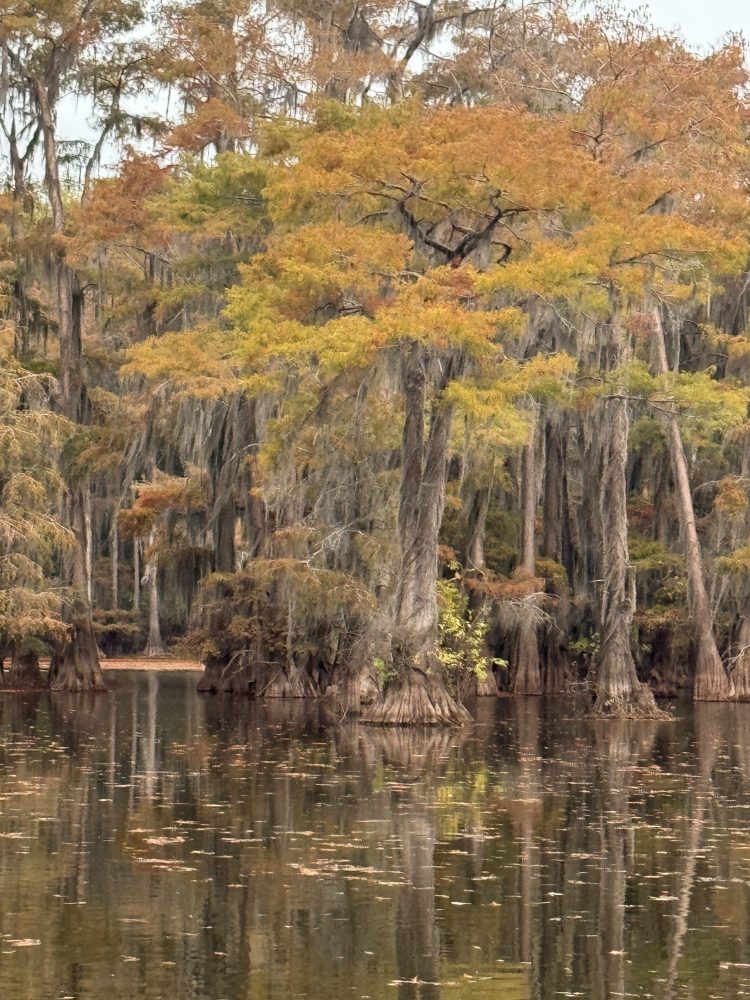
[166,663]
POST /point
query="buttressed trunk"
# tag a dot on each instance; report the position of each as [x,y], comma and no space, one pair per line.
[418,693]
[712,683]
[619,693]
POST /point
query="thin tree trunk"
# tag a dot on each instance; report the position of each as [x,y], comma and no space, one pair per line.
[136,575]
[477,530]
[551,542]
[527,678]
[114,562]
[619,693]
[556,544]
[712,682]
[154,642]
[475,567]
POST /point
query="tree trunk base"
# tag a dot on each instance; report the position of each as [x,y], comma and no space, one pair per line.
[224,676]
[638,703]
[527,679]
[24,673]
[75,664]
[741,677]
[712,682]
[420,700]
[357,690]
[154,651]
[487,688]
[555,668]
[741,669]
[289,682]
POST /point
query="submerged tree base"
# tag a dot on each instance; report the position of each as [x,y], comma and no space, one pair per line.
[527,680]
[222,675]
[75,664]
[24,674]
[357,690]
[741,680]
[712,683]
[289,681]
[240,674]
[638,703]
[419,700]
[486,687]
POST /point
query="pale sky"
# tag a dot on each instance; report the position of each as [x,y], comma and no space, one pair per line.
[701,22]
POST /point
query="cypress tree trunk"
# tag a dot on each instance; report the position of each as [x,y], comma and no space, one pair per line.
[418,694]
[114,563]
[556,544]
[224,550]
[136,575]
[475,567]
[75,666]
[526,673]
[712,682]
[556,541]
[75,663]
[356,684]
[154,642]
[551,542]
[741,672]
[24,671]
[619,693]
[477,530]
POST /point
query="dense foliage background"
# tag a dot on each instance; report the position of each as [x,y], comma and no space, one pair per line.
[392,351]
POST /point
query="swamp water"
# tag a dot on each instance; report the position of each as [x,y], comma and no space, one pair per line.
[159,844]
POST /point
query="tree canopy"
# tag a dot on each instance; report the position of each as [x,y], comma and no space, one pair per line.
[395,351]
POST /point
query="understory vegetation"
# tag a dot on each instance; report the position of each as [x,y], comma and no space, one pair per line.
[394,353]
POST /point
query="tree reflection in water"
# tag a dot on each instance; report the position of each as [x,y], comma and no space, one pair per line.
[156,844]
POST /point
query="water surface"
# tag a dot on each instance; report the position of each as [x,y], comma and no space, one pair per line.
[159,844]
